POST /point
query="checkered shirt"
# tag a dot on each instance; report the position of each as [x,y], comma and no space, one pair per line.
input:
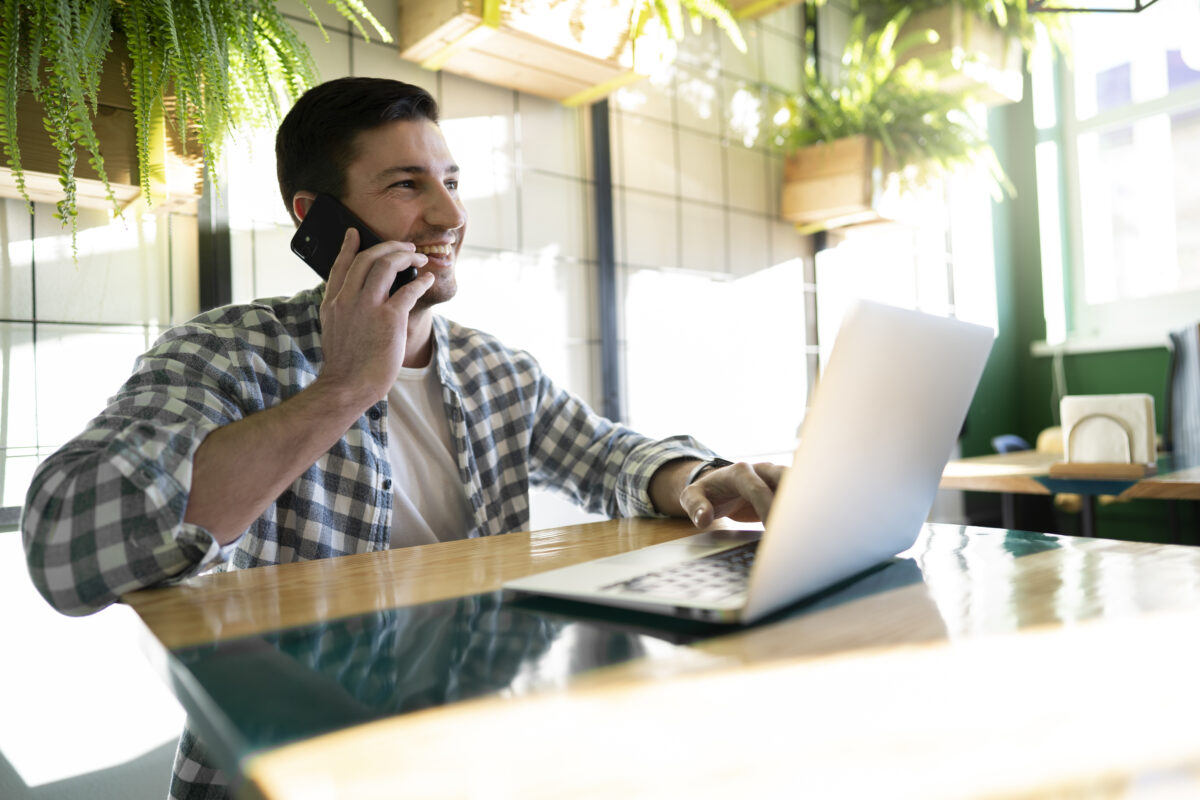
[104,514]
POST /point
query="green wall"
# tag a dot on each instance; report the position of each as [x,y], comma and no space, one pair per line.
[1015,395]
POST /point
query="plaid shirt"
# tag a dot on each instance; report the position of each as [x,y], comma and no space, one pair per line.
[104,514]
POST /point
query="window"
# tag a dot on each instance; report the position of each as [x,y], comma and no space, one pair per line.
[1123,141]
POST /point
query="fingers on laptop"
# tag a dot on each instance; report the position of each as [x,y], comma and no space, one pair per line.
[740,491]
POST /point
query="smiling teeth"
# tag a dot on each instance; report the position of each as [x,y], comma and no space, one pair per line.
[435,250]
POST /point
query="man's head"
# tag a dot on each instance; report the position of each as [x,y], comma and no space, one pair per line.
[375,145]
[317,139]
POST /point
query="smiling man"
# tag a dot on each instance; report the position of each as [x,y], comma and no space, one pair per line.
[344,419]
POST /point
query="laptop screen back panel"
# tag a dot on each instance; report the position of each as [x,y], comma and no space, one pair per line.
[888,409]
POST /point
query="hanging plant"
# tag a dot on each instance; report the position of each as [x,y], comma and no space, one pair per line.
[669,14]
[1013,17]
[924,132]
[223,64]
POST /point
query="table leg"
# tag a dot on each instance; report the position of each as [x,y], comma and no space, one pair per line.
[1008,511]
[1087,516]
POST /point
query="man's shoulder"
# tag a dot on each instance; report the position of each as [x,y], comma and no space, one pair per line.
[471,344]
[295,317]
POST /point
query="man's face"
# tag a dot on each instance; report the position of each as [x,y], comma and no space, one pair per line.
[404,184]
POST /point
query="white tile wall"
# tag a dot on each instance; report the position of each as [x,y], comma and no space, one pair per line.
[699,98]
[16,473]
[386,12]
[748,180]
[644,154]
[79,367]
[332,57]
[241,256]
[552,137]
[277,271]
[744,65]
[783,63]
[701,174]
[556,216]
[648,229]
[16,261]
[121,274]
[463,98]
[377,59]
[704,245]
[786,244]
[492,208]
[18,412]
[653,98]
[749,243]
[788,20]
[529,301]
[184,236]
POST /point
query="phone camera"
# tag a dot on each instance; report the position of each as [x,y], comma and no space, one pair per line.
[306,247]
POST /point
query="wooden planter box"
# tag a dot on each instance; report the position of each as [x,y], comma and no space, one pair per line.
[992,69]
[176,181]
[835,185]
[551,48]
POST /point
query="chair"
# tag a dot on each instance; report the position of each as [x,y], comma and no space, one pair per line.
[1181,426]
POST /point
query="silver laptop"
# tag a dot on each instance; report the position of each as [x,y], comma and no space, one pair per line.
[883,422]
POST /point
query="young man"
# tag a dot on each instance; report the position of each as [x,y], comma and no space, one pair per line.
[344,419]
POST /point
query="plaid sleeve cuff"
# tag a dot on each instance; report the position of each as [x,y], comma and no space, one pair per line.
[633,486]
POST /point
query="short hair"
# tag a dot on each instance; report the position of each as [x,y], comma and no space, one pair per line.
[317,139]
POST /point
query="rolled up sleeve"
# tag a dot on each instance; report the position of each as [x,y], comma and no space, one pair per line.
[104,514]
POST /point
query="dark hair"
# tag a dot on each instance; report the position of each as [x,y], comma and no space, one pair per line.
[316,140]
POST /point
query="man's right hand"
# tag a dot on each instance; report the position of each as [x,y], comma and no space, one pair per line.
[364,332]
[239,469]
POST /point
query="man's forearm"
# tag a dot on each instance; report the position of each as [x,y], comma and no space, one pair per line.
[240,469]
[668,483]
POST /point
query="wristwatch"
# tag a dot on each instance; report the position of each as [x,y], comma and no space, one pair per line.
[707,467]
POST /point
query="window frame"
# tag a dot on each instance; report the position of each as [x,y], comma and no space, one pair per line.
[1121,323]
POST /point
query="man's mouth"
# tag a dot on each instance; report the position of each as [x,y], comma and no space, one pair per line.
[436,249]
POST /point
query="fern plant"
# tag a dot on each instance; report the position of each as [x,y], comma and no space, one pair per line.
[225,62]
[1011,16]
[926,132]
[669,14]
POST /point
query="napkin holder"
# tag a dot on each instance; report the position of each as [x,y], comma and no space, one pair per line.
[1107,437]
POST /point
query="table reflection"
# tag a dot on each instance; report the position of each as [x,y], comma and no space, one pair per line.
[262,691]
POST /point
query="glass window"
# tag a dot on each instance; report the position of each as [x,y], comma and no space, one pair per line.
[1126,149]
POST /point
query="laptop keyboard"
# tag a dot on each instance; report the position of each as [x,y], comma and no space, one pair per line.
[712,578]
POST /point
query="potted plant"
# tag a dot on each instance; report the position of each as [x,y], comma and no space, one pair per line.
[94,90]
[574,51]
[981,45]
[883,128]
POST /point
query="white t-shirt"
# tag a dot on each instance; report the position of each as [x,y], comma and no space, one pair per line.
[429,501]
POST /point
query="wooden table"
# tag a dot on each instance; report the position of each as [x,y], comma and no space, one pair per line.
[981,662]
[1028,472]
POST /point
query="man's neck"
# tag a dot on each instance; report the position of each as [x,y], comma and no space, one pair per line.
[418,348]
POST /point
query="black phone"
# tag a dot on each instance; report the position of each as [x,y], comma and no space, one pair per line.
[322,231]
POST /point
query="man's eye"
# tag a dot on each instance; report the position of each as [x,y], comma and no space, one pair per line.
[403,185]
[452,185]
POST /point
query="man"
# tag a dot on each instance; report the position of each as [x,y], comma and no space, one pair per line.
[344,419]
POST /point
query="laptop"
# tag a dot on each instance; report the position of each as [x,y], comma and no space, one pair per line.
[882,424]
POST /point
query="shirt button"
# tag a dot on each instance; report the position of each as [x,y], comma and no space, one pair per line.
[374,413]
[387,484]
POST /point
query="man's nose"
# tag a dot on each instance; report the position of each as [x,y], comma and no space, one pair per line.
[446,210]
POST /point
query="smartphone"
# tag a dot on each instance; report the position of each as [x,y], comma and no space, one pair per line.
[322,231]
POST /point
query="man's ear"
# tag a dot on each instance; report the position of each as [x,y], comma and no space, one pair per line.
[301,202]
